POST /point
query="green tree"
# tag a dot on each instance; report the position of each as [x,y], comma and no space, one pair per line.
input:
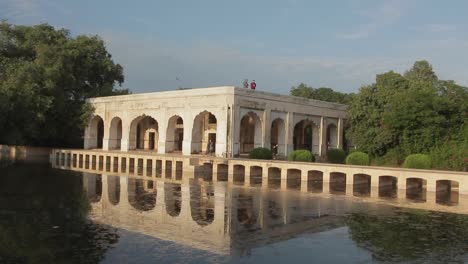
[323,94]
[46,75]
[400,115]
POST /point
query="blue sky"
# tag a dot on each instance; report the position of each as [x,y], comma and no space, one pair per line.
[163,45]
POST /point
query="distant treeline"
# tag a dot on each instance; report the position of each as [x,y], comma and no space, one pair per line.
[404,114]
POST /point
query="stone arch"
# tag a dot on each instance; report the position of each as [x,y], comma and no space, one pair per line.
[202,203]
[205,126]
[93,187]
[293,178]
[337,183]
[315,181]
[256,175]
[447,192]
[250,132]
[174,134]
[332,136]
[278,134]
[388,186]
[416,189]
[274,177]
[144,133]
[95,133]
[173,198]
[115,133]
[140,196]
[361,184]
[306,136]
[113,189]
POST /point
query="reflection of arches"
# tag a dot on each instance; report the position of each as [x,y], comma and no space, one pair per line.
[174,134]
[113,189]
[93,187]
[141,198]
[204,130]
[274,177]
[306,136]
[332,136]
[387,186]
[250,132]
[173,198]
[361,184]
[115,133]
[416,189]
[447,192]
[96,132]
[144,133]
[293,178]
[278,132]
[202,204]
[337,183]
[245,210]
[315,181]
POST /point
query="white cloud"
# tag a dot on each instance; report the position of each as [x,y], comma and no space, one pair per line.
[388,13]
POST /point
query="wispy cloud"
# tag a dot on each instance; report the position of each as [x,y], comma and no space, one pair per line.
[388,13]
[20,9]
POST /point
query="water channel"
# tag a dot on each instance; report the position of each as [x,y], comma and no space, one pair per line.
[52,215]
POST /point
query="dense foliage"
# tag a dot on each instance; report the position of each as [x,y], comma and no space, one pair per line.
[412,113]
[261,153]
[358,158]
[323,94]
[45,77]
[337,156]
[301,155]
[417,161]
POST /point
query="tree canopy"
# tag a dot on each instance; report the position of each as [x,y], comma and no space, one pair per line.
[323,94]
[412,113]
[46,75]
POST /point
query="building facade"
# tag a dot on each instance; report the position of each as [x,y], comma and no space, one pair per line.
[234,120]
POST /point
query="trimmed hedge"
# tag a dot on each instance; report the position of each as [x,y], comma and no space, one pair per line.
[418,161]
[336,156]
[261,153]
[301,155]
[358,158]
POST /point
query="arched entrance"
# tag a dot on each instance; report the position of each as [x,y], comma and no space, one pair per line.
[332,136]
[95,133]
[306,136]
[115,133]
[204,131]
[250,132]
[144,133]
[278,135]
[175,134]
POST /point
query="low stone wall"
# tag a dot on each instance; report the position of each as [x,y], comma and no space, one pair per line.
[25,153]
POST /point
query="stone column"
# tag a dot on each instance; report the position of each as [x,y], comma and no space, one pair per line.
[187,142]
[289,133]
[235,117]
[106,137]
[323,137]
[221,134]
[125,141]
[339,129]
[266,127]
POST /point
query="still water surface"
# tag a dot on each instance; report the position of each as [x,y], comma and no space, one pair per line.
[59,216]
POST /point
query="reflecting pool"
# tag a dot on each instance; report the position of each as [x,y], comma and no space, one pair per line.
[60,216]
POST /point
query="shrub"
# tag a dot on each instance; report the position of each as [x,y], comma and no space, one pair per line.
[337,156]
[261,153]
[358,158]
[301,155]
[417,161]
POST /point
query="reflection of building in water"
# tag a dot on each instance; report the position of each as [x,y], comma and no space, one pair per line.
[208,216]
